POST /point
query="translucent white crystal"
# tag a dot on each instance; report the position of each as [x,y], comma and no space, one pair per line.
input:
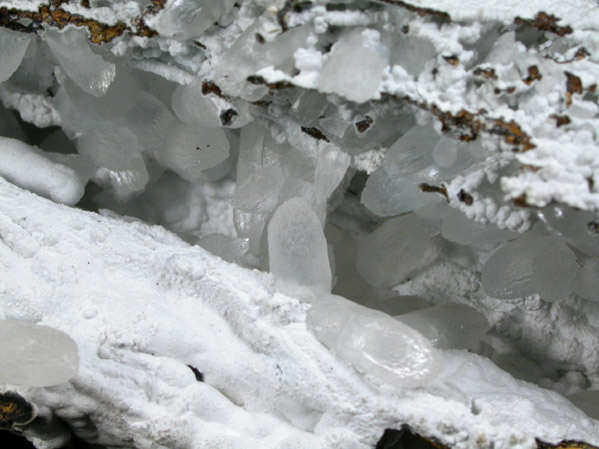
[502,51]
[12,50]
[28,168]
[587,281]
[542,265]
[251,226]
[297,249]
[397,249]
[448,326]
[394,304]
[412,53]
[114,149]
[367,54]
[249,54]
[260,193]
[124,183]
[193,107]
[389,194]
[185,19]
[456,227]
[191,149]
[413,151]
[577,227]
[374,343]
[35,73]
[330,170]
[257,150]
[445,152]
[394,188]
[36,356]
[88,70]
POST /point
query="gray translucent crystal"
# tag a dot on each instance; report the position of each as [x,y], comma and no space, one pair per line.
[347,281]
[587,401]
[260,192]
[227,248]
[9,125]
[36,356]
[88,70]
[577,227]
[185,19]
[373,342]
[587,281]
[193,107]
[114,148]
[394,188]
[542,265]
[445,152]
[248,55]
[365,51]
[297,249]
[412,53]
[393,304]
[330,169]
[456,227]
[35,74]
[124,183]
[400,247]
[12,50]
[191,149]
[388,194]
[448,326]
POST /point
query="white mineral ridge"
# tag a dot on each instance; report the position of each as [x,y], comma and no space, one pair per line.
[27,167]
[297,249]
[530,265]
[36,356]
[12,50]
[142,305]
[396,249]
[365,52]
[88,70]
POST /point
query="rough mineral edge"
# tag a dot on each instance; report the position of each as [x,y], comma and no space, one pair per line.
[578,13]
[543,167]
[141,304]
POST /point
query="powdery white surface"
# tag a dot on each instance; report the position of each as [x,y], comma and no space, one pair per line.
[141,305]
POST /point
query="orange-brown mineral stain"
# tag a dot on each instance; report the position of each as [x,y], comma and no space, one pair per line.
[14,410]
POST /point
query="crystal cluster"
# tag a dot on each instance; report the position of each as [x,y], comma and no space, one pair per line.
[421,177]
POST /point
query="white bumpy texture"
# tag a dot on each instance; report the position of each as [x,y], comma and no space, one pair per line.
[158,306]
[280,224]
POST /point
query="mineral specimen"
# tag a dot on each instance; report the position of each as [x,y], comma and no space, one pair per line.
[286,224]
